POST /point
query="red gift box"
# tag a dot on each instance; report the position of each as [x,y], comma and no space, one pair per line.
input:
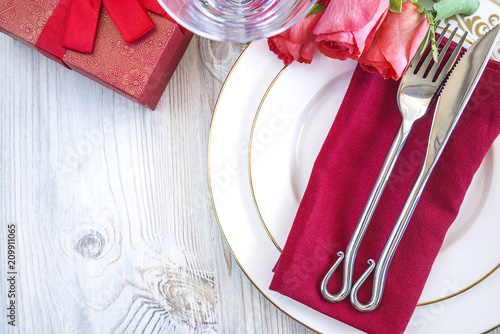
[139,69]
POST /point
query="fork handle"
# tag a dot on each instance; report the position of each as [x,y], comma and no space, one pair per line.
[392,242]
[383,176]
[360,229]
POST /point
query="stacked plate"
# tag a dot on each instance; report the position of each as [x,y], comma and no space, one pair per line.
[268,126]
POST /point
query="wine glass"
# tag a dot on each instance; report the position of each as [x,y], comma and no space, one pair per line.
[235,21]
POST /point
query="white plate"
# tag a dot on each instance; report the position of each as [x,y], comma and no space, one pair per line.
[290,127]
[473,311]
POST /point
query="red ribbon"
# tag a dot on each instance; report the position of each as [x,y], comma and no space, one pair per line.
[73,23]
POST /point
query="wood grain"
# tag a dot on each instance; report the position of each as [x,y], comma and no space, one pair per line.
[115,230]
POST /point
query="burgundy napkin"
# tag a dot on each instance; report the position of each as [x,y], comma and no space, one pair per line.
[341,180]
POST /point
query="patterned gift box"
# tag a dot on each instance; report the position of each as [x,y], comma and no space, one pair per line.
[139,70]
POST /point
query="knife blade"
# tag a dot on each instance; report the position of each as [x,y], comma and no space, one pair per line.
[458,90]
[455,95]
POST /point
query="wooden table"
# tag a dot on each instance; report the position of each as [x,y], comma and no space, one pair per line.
[110,204]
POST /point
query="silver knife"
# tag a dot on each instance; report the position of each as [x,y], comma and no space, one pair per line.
[455,95]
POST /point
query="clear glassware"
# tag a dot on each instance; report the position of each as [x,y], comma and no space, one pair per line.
[236,20]
[219,57]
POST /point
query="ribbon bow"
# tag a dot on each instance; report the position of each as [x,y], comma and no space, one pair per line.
[73,23]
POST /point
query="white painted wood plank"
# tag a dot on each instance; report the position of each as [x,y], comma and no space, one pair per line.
[115,229]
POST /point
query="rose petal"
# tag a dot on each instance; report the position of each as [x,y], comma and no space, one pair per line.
[347,15]
[344,43]
[401,36]
[395,42]
[277,45]
[298,42]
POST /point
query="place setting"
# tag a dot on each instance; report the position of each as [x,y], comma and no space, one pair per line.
[344,154]
[296,154]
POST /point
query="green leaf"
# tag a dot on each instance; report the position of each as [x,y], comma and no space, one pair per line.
[425,41]
[447,8]
[317,8]
[435,51]
[396,5]
[430,38]
[421,8]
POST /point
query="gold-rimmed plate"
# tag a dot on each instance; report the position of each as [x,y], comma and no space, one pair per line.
[290,126]
[248,241]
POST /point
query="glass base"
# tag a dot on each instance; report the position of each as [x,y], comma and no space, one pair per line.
[219,57]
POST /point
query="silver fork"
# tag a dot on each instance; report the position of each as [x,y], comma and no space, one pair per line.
[451,104]
[417,90]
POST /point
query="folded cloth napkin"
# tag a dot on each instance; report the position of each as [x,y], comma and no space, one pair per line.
[341,180]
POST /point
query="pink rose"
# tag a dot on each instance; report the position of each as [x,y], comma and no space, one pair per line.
[347,27]
[296,43]
[395,43]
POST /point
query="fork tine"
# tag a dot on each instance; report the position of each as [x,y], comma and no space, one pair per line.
[429,57]
[442,54]
[441,35]
[418,56]
[414,61]
[433,69]
[451,61]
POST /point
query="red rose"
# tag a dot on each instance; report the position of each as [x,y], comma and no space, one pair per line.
[395,43]
[348,26]
[296,43]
